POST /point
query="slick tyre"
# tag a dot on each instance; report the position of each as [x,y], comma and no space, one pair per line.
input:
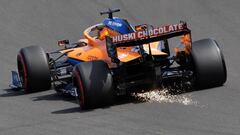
[33,69]
[208,63]
[94,84]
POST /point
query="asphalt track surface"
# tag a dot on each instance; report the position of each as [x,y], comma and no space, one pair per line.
[43,22]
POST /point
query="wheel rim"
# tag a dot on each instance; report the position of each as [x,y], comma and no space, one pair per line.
[80,89]
[22,69]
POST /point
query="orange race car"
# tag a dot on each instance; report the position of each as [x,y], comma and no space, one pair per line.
[115,58]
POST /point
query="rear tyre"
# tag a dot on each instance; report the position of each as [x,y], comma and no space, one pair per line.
[94,84]
[33,69]
[208,63]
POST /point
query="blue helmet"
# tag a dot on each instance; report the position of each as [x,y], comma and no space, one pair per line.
[118,24]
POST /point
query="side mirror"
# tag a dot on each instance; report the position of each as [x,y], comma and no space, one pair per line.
[63,43]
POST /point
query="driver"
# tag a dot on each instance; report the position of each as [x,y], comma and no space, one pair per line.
[105,31]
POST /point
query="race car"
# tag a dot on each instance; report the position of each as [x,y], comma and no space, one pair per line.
[115,58]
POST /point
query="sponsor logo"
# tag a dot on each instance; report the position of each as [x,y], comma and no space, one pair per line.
[114,24]
[148,33]
[91,58]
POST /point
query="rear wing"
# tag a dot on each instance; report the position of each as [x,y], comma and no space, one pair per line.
[146,36]
[150,35]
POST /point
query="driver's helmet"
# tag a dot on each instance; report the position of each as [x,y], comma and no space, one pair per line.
[115,26]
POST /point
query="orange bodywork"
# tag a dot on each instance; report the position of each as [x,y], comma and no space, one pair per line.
[187,42]
[96,48]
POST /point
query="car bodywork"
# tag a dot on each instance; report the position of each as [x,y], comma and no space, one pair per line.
[135,56]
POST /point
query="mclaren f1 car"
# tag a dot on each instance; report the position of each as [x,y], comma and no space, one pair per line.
[115,58]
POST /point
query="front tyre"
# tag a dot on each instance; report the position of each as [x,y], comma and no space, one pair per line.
[33,69]
[208,63]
